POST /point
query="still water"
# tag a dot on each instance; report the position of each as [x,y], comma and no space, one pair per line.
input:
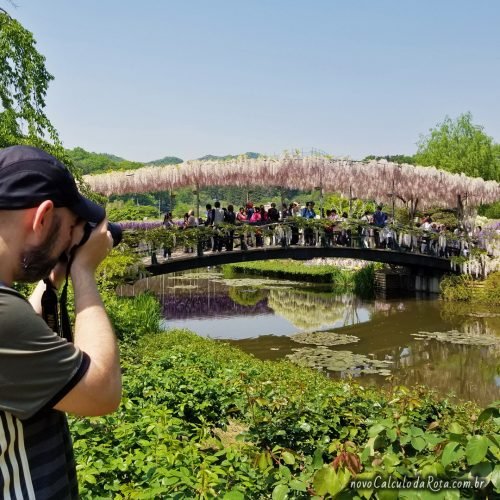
[261,316]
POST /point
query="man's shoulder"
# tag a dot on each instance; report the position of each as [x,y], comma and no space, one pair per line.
[16,313]
[13,299]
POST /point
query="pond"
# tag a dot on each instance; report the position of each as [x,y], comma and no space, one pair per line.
[418,340]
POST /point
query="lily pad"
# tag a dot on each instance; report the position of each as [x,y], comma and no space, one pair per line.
[255,282]
[324,338]
[199,275]
[345,362]
[456,337]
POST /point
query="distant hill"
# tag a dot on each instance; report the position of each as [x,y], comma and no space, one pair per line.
[166,160]
[230,157]
[96,163]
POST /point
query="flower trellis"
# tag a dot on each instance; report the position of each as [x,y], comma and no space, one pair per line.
[377,180]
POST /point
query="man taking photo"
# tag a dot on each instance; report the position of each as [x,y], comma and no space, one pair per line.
[42,375]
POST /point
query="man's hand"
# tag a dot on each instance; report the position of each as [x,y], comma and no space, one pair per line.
[94,250]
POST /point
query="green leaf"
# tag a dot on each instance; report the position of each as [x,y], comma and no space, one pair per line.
[476,449]
[419,443]
[285,473]
[455,428]
[234,495]
[326,480]
[387,494]
[318,458]
[375,430]
[264,460]
[482,469]
[391,459]
[392,435]
[449,454]
[280,492]
[297,485]
[369,450]
[487,413]
[288,458]
[495,478]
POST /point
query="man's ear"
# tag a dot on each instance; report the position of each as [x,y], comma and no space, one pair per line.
[42,218]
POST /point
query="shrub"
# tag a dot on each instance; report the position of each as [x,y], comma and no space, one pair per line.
[491,289]
[492,210]
[133,317]
[364,280]
[456,288]
[300,434]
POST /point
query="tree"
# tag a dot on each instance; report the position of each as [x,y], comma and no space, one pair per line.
[459,146]
[24,80]
[23,86]
[394,158]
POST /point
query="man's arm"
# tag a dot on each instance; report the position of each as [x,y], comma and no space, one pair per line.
[99,390]
[56,277]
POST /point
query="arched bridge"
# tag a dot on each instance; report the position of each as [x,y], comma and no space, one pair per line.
[421,264]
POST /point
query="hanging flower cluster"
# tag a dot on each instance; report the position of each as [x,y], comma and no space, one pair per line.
[377,180]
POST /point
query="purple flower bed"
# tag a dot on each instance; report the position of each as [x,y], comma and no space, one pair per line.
[198,307]
[137,225]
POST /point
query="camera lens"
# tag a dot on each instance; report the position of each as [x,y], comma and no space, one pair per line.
[116,233]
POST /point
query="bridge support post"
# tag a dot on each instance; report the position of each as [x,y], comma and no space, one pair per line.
[403,280]
[427,283]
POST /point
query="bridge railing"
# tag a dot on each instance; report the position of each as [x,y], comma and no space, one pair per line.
[174,242]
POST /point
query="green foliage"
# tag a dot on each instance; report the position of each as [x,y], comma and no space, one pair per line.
[459,146]
[464,289]
[23,86]
[446,217]
[230,157]
[289,269]
[121,211]
[201,419]
[245,296]
[91,163]
[119,266]
[492,210]
[166,160]
[393,158]
[133,317]
[490,293]
[364,280]
[341,204]
[25,289]
[456,288]
[96,163]
[24,81]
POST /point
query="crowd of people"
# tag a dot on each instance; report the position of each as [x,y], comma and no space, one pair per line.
[373,230]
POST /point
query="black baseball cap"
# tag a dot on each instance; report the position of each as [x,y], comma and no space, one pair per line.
[29,176]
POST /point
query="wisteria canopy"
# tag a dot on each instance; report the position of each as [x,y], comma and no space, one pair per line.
[376,180]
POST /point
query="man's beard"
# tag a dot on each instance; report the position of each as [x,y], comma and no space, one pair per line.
[38,262]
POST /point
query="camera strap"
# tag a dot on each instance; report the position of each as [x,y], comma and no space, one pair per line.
[49,306]
[61,323]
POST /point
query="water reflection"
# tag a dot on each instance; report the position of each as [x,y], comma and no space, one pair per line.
[310,310]
[260,315]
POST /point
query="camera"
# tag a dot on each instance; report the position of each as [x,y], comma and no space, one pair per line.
[116,233]
[114,229]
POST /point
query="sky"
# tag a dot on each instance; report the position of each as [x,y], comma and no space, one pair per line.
[153,78]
